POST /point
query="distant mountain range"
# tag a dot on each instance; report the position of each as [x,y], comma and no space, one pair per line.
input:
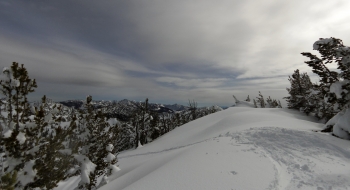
[128,105]
[77,104]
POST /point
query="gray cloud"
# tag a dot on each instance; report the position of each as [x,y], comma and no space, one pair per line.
[169,51]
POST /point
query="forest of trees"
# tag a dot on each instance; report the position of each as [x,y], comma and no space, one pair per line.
[46,142]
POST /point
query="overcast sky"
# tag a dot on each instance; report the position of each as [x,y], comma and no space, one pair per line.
[168,51]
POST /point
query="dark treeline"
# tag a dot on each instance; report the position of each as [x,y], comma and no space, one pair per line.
[145,125]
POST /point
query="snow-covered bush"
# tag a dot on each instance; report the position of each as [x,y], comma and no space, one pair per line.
[261,102]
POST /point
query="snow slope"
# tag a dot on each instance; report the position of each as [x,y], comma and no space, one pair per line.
[239,148]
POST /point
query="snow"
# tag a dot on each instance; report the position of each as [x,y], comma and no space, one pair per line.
[139,145]
[28,173]
[322,42]
[5,69]
[66,151]
[237,148]
[21,138]
[341,123]
[336,88]
[110,157]
[8,133]
[87,167]
[109,147]
[113,121]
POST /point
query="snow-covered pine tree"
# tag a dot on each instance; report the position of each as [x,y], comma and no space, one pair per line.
[15,86]
[96,136]
[271,103]
[2,118]
[154,125]
[177,119]
[335,86]
[141,121]
[279,104]
[255,105]
[248,99]
[50,139]
[299,91]
[33,156]
[193,110]
[126,137]
[164,128]
[261,100]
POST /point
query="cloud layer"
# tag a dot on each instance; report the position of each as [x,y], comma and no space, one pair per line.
[168,51]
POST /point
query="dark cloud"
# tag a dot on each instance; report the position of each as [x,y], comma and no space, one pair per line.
[138,49]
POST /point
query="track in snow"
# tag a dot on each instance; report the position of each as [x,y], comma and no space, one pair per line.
[161,151]
[301,159]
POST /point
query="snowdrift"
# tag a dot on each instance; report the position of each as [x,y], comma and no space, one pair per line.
[238,148]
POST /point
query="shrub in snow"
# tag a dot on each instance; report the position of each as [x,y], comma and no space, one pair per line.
[272,103]
[262,103]
[334,86]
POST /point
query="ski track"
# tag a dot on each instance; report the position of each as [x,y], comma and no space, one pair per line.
[298,157]
[162,151]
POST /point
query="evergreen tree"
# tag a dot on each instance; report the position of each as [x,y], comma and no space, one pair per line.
[299,91]
[248,99]
[154,123]
[164,128]
[141,121]
[15,87]
[193,110]
[96,146]
[33,146]
[334,86]
[126,136]
[272,103]
[261,101]
[255,105]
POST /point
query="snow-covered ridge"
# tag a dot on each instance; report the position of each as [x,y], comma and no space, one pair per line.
[238,148]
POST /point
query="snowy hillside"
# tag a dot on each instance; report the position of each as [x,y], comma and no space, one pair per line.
[238,148]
